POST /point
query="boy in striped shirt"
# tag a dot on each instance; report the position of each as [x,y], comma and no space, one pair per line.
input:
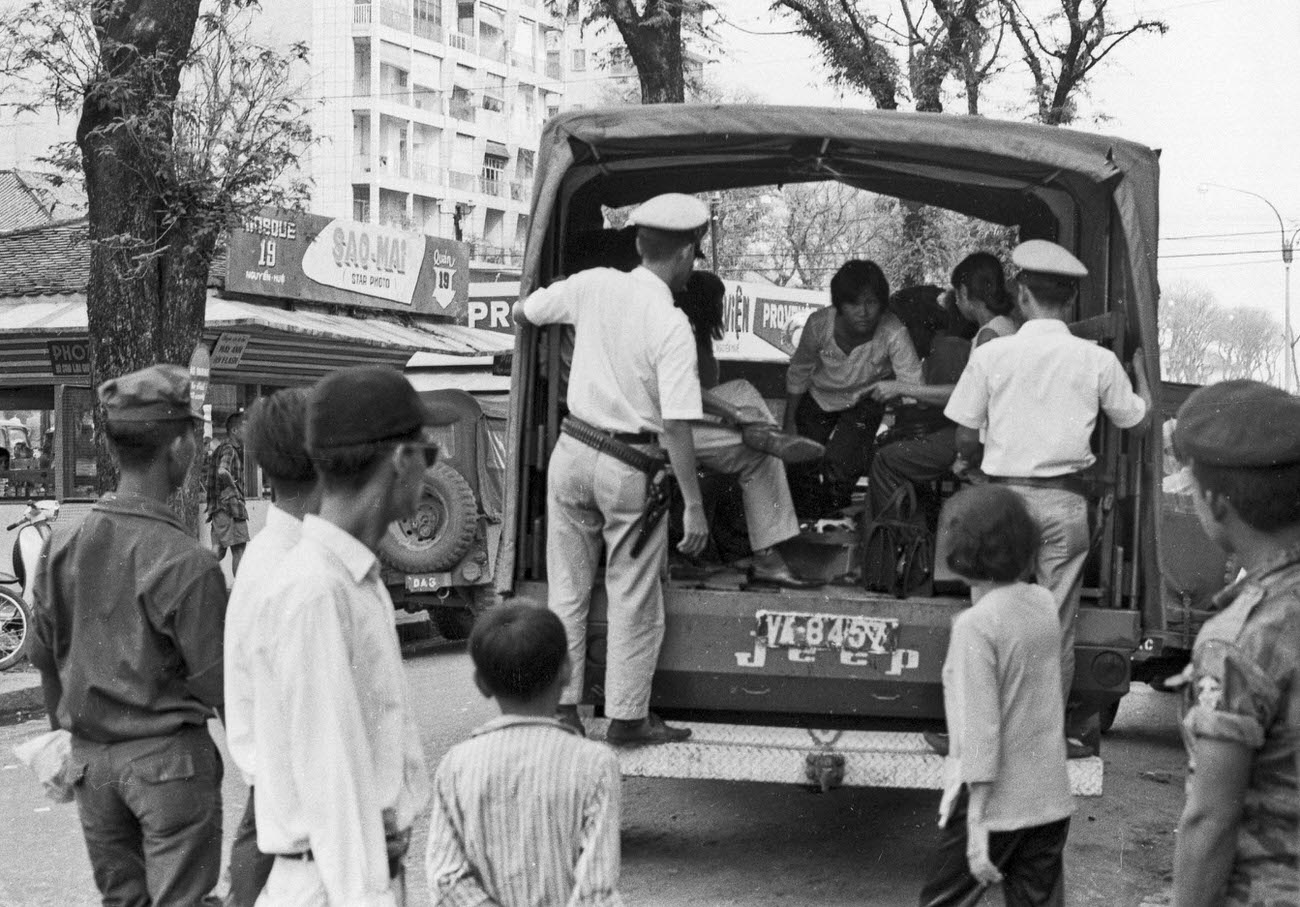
[525,812]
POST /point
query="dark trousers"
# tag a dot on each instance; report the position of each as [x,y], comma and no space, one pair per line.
[1031,861]
[151,815]
[913,460]
[849,435]
[249,867]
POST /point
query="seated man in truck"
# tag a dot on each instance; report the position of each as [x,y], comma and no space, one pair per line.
[750,446]
[922,444]
[843,350]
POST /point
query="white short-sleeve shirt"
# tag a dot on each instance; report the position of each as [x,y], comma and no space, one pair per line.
[1038,393]
[633,351]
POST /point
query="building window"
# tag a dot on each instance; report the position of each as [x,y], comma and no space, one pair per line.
[494,174]
[579,60]
[524,167]
[361,203]
[494,93]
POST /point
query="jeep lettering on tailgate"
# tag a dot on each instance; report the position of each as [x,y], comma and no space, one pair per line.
[854,637]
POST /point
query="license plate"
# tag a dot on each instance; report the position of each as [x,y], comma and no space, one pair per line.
[838,632]
[427,582]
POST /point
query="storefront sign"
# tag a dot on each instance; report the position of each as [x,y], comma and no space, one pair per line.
[760,321]
[69,358]
[229,350]
[289,255]
[200,377]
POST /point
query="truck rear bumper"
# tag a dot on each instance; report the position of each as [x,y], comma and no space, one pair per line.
[733,752]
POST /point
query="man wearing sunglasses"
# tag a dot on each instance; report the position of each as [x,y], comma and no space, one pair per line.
[340,771]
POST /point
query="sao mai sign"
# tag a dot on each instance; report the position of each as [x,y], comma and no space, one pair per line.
[290,255]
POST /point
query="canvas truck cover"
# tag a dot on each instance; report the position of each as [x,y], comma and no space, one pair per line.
[1093,193]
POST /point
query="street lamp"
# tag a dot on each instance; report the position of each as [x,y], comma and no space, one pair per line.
[1290,377]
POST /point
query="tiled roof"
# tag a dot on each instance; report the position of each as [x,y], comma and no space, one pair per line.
[50,258]
[28,199]
[55,258]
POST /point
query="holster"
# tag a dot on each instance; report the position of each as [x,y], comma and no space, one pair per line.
[658,497]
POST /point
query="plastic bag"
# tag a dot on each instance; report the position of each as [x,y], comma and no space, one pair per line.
[49,756]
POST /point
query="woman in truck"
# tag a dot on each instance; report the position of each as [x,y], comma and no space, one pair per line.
[843,350]
[1006,804]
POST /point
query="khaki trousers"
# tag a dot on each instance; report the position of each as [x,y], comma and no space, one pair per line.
[769,509]
[592,498]
[1062,517]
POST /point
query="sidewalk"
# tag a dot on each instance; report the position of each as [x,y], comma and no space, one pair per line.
[20,691]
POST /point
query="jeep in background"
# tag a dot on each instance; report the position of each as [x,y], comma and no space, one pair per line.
[440,560]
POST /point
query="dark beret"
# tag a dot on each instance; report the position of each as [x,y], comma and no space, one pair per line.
[368,404]
[159,393]
[1240,424]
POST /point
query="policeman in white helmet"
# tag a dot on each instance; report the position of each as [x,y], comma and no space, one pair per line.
[1037,394]
[633,392]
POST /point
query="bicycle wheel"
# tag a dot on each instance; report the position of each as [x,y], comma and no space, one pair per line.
[15,629]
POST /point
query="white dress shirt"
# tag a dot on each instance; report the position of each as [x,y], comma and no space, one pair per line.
[263,559]
[525,814]
[836,379]
[339,761]
[633,355]
[1038,392]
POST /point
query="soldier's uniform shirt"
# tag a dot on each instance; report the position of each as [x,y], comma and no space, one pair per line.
[634,352]
[130,613]
[1244,688]
[129,617]
[1038,392]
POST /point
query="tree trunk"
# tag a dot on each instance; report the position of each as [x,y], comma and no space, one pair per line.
[654,42]
[131,296]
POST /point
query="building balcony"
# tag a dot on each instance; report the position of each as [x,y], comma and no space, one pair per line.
[428,174]
[521,190]
[462,41]
[362,164]
[399,168]
[462,110]
[462,182]
[500,255]
[493,50]
[431,30]
[395,16]
[523,61]
[554,71]
[489,186]
[361,14]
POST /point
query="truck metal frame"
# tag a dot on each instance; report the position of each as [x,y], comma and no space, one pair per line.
[726,663]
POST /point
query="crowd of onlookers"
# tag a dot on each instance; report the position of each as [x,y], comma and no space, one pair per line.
[139,643]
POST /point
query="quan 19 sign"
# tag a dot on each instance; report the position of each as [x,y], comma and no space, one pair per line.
[290,255]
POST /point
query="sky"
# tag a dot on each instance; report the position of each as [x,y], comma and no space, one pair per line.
[1216,94]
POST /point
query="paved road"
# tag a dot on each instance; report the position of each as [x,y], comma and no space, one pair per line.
[693,843]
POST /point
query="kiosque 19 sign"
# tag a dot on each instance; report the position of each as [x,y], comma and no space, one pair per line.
[290,255]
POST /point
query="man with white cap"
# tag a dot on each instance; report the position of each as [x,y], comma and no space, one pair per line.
[633,391]
[1037,394]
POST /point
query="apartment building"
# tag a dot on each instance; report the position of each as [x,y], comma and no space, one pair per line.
[429,112]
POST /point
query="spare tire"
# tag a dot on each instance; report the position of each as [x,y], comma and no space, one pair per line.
[441,531]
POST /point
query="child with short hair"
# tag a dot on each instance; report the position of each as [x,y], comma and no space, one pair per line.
[1006,805]
[525,812]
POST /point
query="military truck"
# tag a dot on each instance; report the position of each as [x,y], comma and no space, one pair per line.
[832,685]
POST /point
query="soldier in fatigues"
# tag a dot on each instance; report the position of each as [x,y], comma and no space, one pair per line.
[1237,840]
[128,639]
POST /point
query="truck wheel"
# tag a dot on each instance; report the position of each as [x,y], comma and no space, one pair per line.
[15,629]
[441,531]
[1107,716]
[455,624]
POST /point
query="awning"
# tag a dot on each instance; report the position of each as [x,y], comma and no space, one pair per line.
[496,149]
[277,346]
